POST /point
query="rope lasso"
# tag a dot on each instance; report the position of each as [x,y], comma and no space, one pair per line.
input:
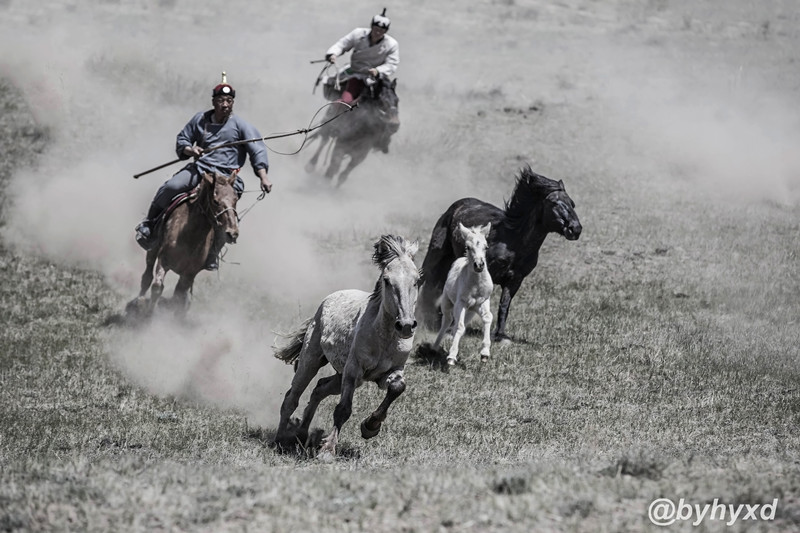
[318,126]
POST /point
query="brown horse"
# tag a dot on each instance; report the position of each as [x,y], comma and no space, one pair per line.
[187,237]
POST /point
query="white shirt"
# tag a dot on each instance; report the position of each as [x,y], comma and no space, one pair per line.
[383,55]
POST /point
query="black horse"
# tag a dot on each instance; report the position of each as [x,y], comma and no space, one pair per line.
[369,126]
[537,207]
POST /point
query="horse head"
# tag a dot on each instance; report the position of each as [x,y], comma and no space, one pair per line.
[475,244]
[221,203]
[397,286]
[554,208]
[383,101]
[559,214]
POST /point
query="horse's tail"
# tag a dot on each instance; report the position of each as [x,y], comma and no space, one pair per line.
[289,353]
[439,256]
[435,267]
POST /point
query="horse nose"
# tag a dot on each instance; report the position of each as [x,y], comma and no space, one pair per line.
[478,266]
[232,236]
[405,329]
[576,229]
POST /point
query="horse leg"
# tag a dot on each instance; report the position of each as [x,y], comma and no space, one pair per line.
[147,277]
[459,312]
[182,295]
[312,163]
[486,315]
[157,288]
[335,162]
[502,311]
[136,305]
[395,385]
[447,321]
[309,362]
[356,158]
[343,410]
[327,386]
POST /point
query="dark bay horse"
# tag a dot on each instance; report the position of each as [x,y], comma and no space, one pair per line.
[364,336]
[537,207]
[369,126]
[186,239]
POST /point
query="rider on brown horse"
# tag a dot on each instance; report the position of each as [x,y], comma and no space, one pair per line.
[205,130]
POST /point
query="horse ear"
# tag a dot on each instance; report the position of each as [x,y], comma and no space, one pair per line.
[208,178]
[232,177]
[394,83]
[486,229]
[462,229]
[561,184]
[412,249]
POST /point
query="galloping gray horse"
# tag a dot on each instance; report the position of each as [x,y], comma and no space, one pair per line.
[364,336]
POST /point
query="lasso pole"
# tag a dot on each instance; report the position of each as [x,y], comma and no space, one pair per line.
[245,141]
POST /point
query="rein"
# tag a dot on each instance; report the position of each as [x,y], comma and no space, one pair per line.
[258,199]
[209,214]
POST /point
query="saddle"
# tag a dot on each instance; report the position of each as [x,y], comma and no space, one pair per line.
[161,220]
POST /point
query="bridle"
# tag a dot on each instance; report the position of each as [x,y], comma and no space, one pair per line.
[209,204]
[553,200]
[216,217]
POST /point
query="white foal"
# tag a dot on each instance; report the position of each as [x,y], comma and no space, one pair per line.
[467,290]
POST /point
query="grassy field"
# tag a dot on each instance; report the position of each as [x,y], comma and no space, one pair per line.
[656,357]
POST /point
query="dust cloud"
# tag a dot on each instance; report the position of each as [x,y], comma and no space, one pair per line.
[115,81]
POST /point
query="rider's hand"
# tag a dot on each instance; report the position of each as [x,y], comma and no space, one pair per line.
[193,151]
[373,72]
[331,58]
[266,185]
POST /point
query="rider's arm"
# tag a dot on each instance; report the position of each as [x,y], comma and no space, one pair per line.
[346,43]
[256,150]
[389,66]
[188,136]
[266,185]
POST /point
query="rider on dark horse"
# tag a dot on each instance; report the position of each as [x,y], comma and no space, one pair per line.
[375,55]
[205,130]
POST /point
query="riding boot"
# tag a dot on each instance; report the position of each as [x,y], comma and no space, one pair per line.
[212,261]
[145,232]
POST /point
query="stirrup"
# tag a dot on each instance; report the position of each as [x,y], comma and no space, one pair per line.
[145,236]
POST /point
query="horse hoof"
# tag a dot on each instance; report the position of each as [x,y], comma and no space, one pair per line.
[502,341]
[451,361]
[369,433]
[484,358]
[325,456]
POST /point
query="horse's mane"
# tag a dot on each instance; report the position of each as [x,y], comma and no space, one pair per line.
[387,249]
[530,188]
[383,83]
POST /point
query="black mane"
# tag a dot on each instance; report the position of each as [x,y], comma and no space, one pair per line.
[530,189]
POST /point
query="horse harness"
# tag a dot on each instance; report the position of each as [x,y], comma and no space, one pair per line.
[178,199]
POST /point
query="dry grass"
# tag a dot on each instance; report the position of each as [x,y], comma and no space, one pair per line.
[656,357]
